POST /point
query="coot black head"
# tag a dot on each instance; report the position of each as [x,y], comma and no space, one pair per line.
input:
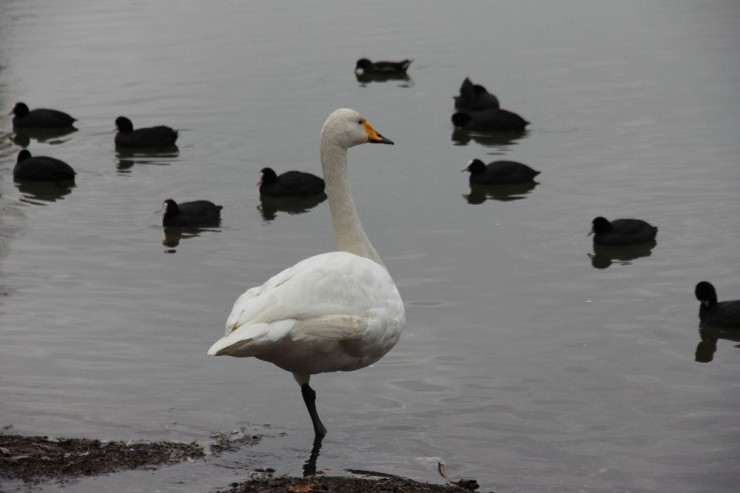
[23,155]
[363,63]
[460,119]
[124,125]
[706,293]
[600,225]
[170,208]
[476,167]
[20,110]
[267,176]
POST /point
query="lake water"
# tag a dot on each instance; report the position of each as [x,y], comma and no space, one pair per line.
[530,362]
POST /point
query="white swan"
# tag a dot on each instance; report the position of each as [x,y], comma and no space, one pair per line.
[338,311]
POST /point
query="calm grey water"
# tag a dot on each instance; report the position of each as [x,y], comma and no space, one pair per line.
[530,362]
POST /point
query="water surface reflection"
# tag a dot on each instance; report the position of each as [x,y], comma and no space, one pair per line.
[127,160]
[604,256]
[708,345]
[53,136]
[38,192]
[270,206]
[503,193]
[173,235]
[488,139]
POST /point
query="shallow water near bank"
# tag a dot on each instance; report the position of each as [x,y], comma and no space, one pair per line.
[531,361]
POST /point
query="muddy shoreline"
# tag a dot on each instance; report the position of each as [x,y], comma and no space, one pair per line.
[42,459]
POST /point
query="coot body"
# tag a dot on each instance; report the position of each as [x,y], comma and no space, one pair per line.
[289,184]
[159,137]
[195,213]
[40,117]
[41,168]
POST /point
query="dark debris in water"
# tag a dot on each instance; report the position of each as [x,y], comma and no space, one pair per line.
[37,458]
[264,482]
[329,484]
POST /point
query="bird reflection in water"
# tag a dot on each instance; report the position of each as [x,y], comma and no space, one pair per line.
[38,192]
[23,136]
[309,468]
[127,158]
[604,256]
[270,206]
[708,345]
[503,193]
[488,139]
[174,234]
[403,79]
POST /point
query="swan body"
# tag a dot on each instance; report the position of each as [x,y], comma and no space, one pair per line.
[622,232]
[157,137]
[194,213]
[337,311]
[40,117]
[289,184]
[499,173]
[41,168]
[724,314]
[490,120]
[474,97]
[349,319]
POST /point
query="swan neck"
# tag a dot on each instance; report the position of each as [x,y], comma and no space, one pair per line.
[351,236]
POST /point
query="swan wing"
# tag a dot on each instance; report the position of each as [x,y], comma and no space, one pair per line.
[337,296]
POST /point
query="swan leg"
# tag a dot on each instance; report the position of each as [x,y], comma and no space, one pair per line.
[309,397]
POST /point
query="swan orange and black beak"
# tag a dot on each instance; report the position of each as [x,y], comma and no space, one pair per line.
[373,136]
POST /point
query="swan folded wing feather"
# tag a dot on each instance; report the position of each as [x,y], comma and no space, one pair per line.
[285,306]
[330,327]
[244,340]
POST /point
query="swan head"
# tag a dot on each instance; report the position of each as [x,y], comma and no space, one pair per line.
[347,128]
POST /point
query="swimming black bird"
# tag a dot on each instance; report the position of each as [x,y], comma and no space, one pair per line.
[41,168]
[40,117]
[474,97]
[490,120]
[718,314]
[195,213]
[622,231]
[366,67]
[158,137]
[499,172]
[290,183]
